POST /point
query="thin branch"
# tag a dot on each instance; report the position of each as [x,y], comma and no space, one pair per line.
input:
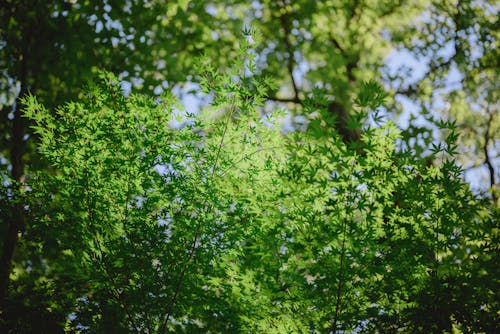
[295,100]
[434,66]
[336,43]
[290,64]
[114,290]
[355,17]
[391,10]
[193,247]
[487,159]
[436,245]
[474,166]
[413,89]
[178,287]
[338,304]
[249,155]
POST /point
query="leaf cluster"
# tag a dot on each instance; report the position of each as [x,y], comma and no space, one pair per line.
[227,225]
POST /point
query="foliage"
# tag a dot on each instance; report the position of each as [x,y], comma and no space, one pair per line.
[459,42]
[123,213]
[229,226]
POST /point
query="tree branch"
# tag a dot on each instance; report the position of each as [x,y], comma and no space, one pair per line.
[434,66]
[290,63]
[99,260]
[336,43]
[487,159]
[197,232]
[295,100]
[341,115]
[338,304]
[16,222]
[413,89]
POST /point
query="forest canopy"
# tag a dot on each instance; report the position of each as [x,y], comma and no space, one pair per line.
[249,167]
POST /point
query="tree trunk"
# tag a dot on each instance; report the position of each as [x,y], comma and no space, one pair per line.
[343,118]
[16,220]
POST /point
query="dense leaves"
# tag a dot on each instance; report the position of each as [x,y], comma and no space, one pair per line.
[231,226]
[288,202]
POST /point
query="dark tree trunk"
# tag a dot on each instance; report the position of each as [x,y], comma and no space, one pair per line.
[16,220]
[343,118]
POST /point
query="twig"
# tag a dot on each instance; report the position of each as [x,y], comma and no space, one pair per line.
[249,155]
[333,327]
[487,159]
[290,64]
[434,66]
[114,291]
[196,234]
[295,100]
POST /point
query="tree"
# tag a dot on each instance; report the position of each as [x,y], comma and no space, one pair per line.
[230,226]
[459,83]
[50,49]
[336,46]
